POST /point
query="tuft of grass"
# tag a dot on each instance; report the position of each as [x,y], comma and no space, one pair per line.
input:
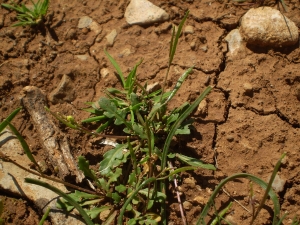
[27,16]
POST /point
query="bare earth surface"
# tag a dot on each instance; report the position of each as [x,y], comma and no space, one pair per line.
[249,119]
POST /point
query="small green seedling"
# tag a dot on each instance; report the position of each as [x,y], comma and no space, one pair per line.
[28,16]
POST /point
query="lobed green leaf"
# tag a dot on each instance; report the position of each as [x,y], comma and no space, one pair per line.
[112,159]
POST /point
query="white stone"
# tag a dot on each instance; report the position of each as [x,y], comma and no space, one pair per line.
[144,12]
[104,72]
[125,52]
[84,57]
[84,21]
[234,41]
[266,26]
[189,29]
[153,87]
[111,37]
[278,183]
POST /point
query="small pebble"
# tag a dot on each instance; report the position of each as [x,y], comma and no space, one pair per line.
[189,30]
[202,108]
[104,72]
[153,87]
[111,37]
[85,30]
[187,205]
[248,88]
[230,220]
[84,21]
[230,138]
[200,200]
[193,45]
[190,181]
[204,48]
[278,183]
[125,52]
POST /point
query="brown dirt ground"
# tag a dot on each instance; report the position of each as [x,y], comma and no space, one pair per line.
[20,211]
[241,132]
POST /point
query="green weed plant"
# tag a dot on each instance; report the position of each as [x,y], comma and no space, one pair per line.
[28,16]
[132,177]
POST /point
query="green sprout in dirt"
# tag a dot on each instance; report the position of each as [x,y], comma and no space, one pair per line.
[29,16]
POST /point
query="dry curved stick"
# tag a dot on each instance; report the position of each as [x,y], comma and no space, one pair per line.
[55,144]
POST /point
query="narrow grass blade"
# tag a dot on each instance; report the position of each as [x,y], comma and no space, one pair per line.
[110,218]
[255,179]
[283,5]
[16,8]
[175,40]
[221,214]
[179,170]
[122,211]
[131,78]
[44,216]
[281,219]
[24,146]
[5,122]
[116,66]
[63,195]
[171,43]
[262,203]
[195,162]
[93,119]
[177,124]
[178,84]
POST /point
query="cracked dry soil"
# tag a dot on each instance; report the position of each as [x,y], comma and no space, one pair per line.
[249,119]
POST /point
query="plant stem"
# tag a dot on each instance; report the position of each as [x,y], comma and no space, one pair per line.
[268,188]
[178,197]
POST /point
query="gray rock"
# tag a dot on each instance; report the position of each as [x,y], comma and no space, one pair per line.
[111,37]
[84,21]
[153,87]
[144,12]
[234,41]
[266,26]
[278,183]
[64,91]
[12,180]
